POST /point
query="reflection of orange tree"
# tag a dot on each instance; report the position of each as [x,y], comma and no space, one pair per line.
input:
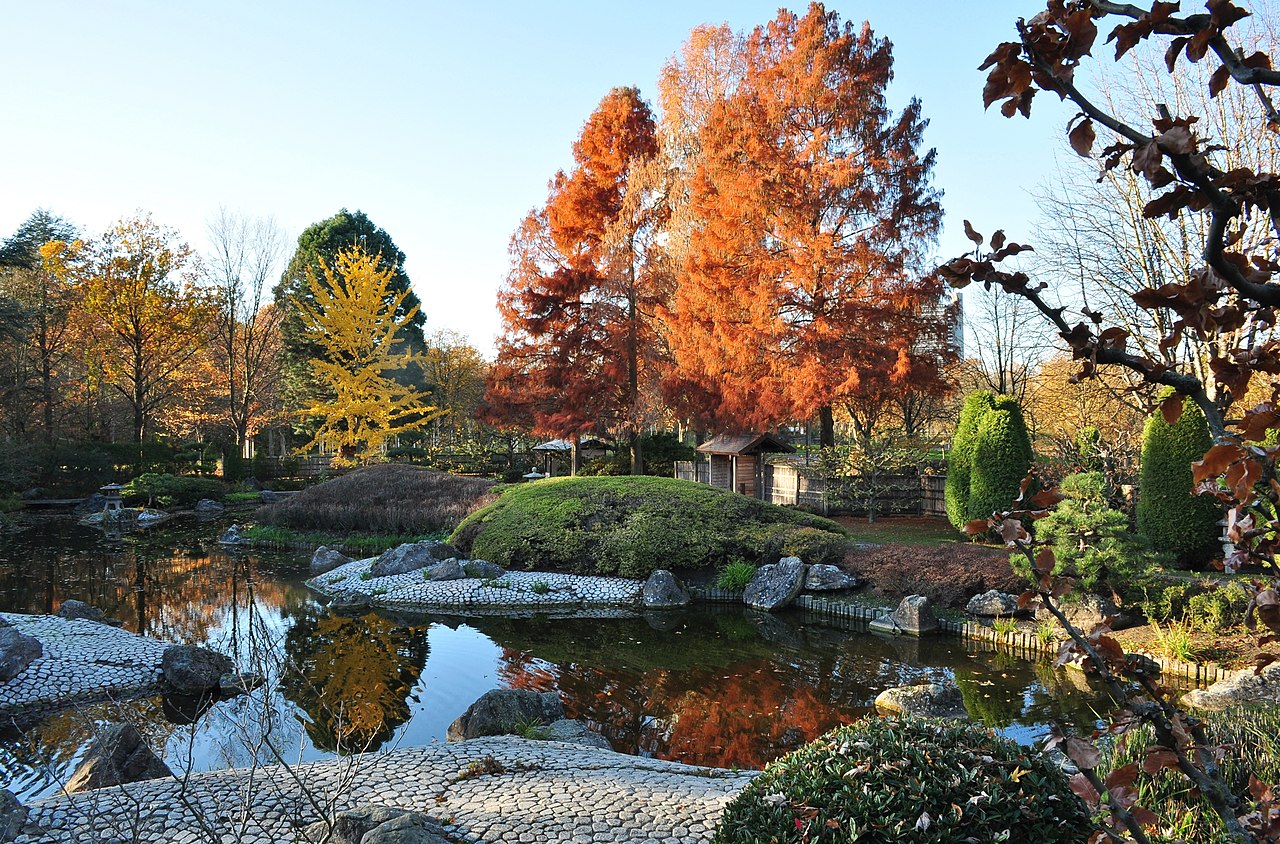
[743,715]
[352,676]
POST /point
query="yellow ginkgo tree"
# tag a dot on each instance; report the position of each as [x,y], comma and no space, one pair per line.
[351,316]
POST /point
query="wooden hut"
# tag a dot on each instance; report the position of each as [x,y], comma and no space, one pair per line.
[737,460]
[555,452]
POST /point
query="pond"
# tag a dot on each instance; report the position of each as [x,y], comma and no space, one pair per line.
[715,685]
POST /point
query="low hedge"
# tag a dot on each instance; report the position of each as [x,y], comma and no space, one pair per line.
[907,781]
[632,525]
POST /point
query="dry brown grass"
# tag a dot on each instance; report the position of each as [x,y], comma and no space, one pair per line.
[383,499]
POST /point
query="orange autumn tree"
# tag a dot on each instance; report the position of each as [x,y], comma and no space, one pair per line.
[578,350]
[804,283]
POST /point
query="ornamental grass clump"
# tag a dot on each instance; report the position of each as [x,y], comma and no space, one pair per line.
[904,781]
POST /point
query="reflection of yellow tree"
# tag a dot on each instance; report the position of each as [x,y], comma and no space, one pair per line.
[353,677]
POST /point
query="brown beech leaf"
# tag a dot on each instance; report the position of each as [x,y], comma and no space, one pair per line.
[1045,561]
[997,240]
[1083,753]
[1215,461]
[1219,80]
[1262,661]
[1144,817]
[1012,532]
[1260,790]
[977,526]
[1177,140]
[1159,758]
[1084,789]
[1082,138]
[1025,599]
[971,234]
[1123,777]
[1047,498]
[1171,409]
[1176,47]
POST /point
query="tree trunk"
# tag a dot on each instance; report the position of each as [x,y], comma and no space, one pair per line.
[827,427]
[637,461]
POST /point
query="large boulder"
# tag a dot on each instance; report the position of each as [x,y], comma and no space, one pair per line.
[1087,610]
[1244,688]
[828,578]
[192,670]
[774,586]
[90,505]
[208,508]
[992,603]
[576,732]
[927,700]
[449,569]
[326,559]
[411,556]
[118,756]
[377,825]
[13,816]
[79,609]
[663,591]
[483,569]
[17,651]
[498,712]
[913,617]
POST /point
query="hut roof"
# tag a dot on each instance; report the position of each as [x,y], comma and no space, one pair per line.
[565,445]
[744,444]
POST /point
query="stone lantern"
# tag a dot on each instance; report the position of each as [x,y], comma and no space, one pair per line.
[115,504]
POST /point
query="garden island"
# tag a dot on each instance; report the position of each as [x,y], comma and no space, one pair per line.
[776,511]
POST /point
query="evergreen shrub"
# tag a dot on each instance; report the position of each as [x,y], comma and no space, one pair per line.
[1175,521]
[1001,458]
[907,781]
[960,458]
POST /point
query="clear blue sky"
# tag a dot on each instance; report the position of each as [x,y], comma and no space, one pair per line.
[442,122]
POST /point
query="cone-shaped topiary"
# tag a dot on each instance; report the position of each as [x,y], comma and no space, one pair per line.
[960,458]
[1001,458]
[1173,519]
[909,782]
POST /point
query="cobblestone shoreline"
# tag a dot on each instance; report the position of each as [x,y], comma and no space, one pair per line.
[551,591]
[83,662]
[500,789]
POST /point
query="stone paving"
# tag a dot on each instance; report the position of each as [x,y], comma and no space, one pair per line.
[514,590]
[491,790]
[83,662]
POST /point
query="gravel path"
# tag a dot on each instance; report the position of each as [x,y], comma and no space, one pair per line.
[501,789]
[83,662]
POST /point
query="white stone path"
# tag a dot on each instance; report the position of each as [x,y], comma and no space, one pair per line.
[501,789]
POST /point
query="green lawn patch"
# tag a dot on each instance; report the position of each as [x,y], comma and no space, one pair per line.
[902,530]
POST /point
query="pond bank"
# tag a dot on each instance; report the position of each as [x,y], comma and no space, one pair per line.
[484,790]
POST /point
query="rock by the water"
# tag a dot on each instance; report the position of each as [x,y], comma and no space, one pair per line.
[1087,610]
[662,591]
[483,569]
[497,712]
[1244,688]
[576,732]
[93,504]
[118,756]
[376,825]
[232,536]
[13,816]
[411,556]
[238,683]
[208,507]
[927,700]
[914,617]
[192,670]
[268,496]
[776,585]
[828,578]
[79,609]
[326,559]
[449,569]
[992,603]
[17,651]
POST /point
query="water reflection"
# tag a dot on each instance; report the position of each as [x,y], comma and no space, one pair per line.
[710,686]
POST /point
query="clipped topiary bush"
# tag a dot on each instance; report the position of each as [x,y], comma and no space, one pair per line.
[960,458]
[907,782]
[633,525]
[169,490]
[1001,458]
[1176,522]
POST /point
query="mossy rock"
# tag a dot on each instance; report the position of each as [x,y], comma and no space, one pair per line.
[630,526]
[907,781]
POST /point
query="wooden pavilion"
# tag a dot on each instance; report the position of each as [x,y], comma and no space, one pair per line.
[737,460]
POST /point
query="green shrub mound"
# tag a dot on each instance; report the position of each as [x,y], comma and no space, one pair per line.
[1207,607]
[388,498]
[1091,540]
[1001,458]
[1175,521]
[960,458]
[632,525]
[902,781]
[154,488]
